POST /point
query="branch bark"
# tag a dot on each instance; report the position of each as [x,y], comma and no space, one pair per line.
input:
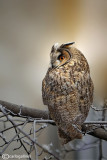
[99,133]
[36,113]
[25,111]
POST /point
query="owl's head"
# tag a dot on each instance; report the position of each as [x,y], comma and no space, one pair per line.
[60,55]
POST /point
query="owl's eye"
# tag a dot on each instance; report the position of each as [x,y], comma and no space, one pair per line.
[61,57]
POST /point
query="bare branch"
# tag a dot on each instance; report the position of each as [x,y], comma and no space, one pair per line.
[19,129]
[25,111]
[96,122]
[35,139]
[44,118]
[98,132]
[96,109]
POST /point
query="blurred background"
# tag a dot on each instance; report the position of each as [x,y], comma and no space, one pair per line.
[29,28]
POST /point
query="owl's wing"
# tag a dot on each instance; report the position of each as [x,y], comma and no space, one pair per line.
[44,92]
[86,97]
[91,91]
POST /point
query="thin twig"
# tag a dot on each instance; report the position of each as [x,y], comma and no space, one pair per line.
[35,139]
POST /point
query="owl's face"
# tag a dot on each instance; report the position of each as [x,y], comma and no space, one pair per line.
[60,55]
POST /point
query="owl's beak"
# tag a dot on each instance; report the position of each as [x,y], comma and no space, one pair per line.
[55,64]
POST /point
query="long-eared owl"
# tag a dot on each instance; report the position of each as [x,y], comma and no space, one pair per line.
[67,90]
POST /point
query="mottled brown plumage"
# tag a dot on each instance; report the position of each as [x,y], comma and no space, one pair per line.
[67,90]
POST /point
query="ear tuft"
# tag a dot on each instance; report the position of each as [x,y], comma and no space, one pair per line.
[67,45]
[55,47]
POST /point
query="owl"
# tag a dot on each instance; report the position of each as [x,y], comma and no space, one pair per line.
[67,90]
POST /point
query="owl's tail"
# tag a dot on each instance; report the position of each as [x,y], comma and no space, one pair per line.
[69,134]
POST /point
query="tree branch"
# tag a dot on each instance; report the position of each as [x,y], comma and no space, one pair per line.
[25,111]
[98,132]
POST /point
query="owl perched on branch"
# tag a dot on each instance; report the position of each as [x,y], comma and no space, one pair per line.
[67,90]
